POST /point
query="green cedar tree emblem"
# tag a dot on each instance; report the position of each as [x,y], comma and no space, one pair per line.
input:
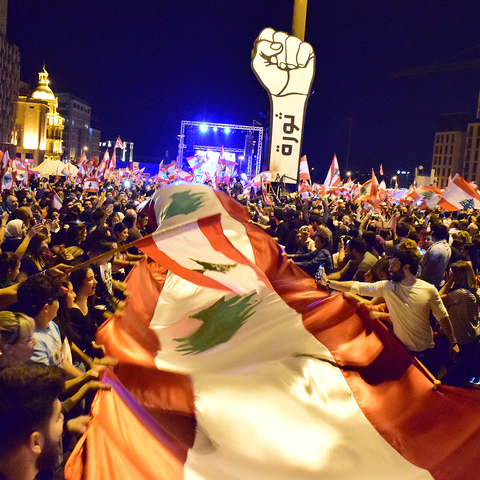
[213,267]
[183,203]
[467,203]
[220,322]
[363,191]
[427,195]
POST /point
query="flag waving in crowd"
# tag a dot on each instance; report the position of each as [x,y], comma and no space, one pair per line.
[271,376]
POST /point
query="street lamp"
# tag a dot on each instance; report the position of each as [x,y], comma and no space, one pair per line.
[393,180]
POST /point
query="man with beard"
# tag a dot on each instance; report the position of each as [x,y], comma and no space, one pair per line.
[31,420]
[409,301]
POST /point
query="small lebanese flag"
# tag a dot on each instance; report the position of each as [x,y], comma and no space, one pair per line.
[119,143]
[304,173]
[90,185]
[381,169]
[55,202]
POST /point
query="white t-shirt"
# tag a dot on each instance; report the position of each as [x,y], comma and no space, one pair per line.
[409,308]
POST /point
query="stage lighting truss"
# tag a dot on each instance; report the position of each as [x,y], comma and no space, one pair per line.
[254,161]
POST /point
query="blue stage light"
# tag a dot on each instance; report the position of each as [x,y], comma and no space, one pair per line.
[227,130]
[215,129]
[203,128]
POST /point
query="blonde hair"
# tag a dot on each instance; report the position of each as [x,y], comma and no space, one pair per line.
[14,326]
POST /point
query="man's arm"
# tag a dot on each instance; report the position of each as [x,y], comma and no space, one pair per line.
[335,284]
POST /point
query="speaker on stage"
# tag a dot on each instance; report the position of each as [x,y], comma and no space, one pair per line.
[189,139]
[249,144]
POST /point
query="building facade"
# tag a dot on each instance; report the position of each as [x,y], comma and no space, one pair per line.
[79,135]
[450,148]
[9,82]
[39,126]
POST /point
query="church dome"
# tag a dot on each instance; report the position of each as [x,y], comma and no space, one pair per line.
[43,91]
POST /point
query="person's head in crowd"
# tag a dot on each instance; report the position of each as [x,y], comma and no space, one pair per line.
[369,239]
[355,249]
[9,267]
[131,212]
[113,219]
[83,282]
[97,216]
[409,244]
[464,276]
[75,234]
[278,215]
[439,231]
[315,221]
[465,236]
[385,233]
[427,240]
[99,248]
[25,215]
[67,204]
[463,224]
[469,252]
[38,298]
[129,221]
[414,235]
[403,263]
[31,419]
[87,204]
[379,271]
[16,338]
[120,233]
[37,246]
[15,229]
[11,203]
[403,230]
[142,220]
[304,233]
[322,239]
[472,229]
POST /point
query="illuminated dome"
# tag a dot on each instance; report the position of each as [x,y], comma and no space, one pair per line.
[43,91]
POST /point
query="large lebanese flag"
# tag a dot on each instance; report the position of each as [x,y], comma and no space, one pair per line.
[268,384]
[459,194]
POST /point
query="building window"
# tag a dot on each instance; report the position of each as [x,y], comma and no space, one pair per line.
[470,131]
[436,149]
[466,169]
[450,161]
[476,155]
[453,137]
[448,139]
[474,169]
[441,138]
[451,150]
[443,172]
[437,138]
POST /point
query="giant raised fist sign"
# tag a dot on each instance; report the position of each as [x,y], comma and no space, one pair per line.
[285,66]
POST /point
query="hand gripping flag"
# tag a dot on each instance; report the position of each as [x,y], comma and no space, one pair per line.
[260,383]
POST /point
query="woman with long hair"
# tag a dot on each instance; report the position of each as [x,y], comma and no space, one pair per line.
[459,296]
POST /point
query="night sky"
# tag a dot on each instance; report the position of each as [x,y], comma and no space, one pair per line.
[144,66]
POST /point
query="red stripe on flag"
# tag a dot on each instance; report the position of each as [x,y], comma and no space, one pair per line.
[213,231]
[150,248]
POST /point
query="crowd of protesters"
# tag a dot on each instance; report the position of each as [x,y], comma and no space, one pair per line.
[49,315]
[416,270]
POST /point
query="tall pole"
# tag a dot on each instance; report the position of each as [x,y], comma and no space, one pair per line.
[350,119]
[299,19]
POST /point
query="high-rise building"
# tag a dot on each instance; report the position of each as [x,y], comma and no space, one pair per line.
[39,127]
[9,81]
[79,135]
[449,147]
